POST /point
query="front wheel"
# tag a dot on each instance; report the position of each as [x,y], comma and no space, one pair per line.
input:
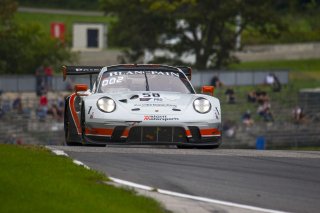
[66,131]
[208,147]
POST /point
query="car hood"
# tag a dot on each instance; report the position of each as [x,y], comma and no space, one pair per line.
[150,102]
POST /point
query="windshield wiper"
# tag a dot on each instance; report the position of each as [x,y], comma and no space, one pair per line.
[147,83]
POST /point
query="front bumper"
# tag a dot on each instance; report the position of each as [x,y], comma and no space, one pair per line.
[166,135]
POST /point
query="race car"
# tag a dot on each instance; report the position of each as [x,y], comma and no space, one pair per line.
[140,104]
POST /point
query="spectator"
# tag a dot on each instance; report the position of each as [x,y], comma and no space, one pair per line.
[276,87]
[298,115]
[272,80]
[262,97]
[56,113]
[48,77]
[17,105]
[252,97]
[215,81]
[43,106]
[246,119]
[230,96]
[269,79]
[40,83]
[264,110]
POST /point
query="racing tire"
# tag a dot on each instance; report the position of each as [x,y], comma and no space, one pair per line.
[83,128]
[66,130]
[208,147]
[185,147]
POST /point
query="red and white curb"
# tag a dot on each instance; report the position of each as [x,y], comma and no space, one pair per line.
[171,193]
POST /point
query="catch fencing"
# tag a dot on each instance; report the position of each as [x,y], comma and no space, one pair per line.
[27,83]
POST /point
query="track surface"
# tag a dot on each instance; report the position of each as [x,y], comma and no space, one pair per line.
[280,180]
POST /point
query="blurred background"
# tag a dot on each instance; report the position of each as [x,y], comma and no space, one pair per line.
[262,57]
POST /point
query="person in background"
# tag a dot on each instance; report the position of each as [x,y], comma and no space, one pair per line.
[252,97]
[43,106]
[17,105]
[231,99]
[298,115]
[48,77]
[215,81]
[40,82]
[246,119]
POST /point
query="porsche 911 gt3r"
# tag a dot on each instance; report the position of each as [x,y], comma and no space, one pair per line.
[141,104]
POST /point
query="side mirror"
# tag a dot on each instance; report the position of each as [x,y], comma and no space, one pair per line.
[207,89]
[80,88]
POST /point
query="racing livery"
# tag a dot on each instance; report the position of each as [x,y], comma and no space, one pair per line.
[140,104]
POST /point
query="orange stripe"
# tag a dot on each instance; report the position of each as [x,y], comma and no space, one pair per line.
[74,113]
[99,131]
[209,132]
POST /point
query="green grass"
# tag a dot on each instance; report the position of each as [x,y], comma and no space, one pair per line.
[32,179]
[45,20]
[303,65]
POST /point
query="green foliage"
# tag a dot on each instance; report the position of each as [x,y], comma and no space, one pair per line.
[203,28]
[25,47]
[63,4]
[34,180]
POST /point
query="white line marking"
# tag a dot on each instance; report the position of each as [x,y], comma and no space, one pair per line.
[59,152]
[62,153]
[79,163]
[135,185]
[176,194]
[203,199]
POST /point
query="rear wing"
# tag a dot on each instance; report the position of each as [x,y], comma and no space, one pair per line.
[80,70]
[187,71]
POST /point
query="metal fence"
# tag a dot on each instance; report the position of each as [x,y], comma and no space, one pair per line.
[27,83]
[237,78]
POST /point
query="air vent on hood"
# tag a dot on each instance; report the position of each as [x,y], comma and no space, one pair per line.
[134,97]
[174,109]
[124,100]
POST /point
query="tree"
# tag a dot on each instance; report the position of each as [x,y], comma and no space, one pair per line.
[24,48]
[203,28]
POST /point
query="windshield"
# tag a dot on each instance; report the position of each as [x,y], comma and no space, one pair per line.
[121,81]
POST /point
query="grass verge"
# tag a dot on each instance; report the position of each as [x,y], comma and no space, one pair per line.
[32,179]
[302,65]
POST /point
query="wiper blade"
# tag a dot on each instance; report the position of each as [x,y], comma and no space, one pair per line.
[147,82]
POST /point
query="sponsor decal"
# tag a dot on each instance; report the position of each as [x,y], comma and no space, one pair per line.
[158,99]
[156,105]
[154,99]
[159,118]
[145,99]
[149,72]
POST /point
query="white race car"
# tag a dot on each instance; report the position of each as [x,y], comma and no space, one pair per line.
[141,104]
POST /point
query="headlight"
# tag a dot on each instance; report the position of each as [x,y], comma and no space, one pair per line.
[106,104]
[202,105]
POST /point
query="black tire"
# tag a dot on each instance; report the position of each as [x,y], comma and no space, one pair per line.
[185,147]
[208,147]
[66,129]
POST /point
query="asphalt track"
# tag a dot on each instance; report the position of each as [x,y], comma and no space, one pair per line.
[280,180]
